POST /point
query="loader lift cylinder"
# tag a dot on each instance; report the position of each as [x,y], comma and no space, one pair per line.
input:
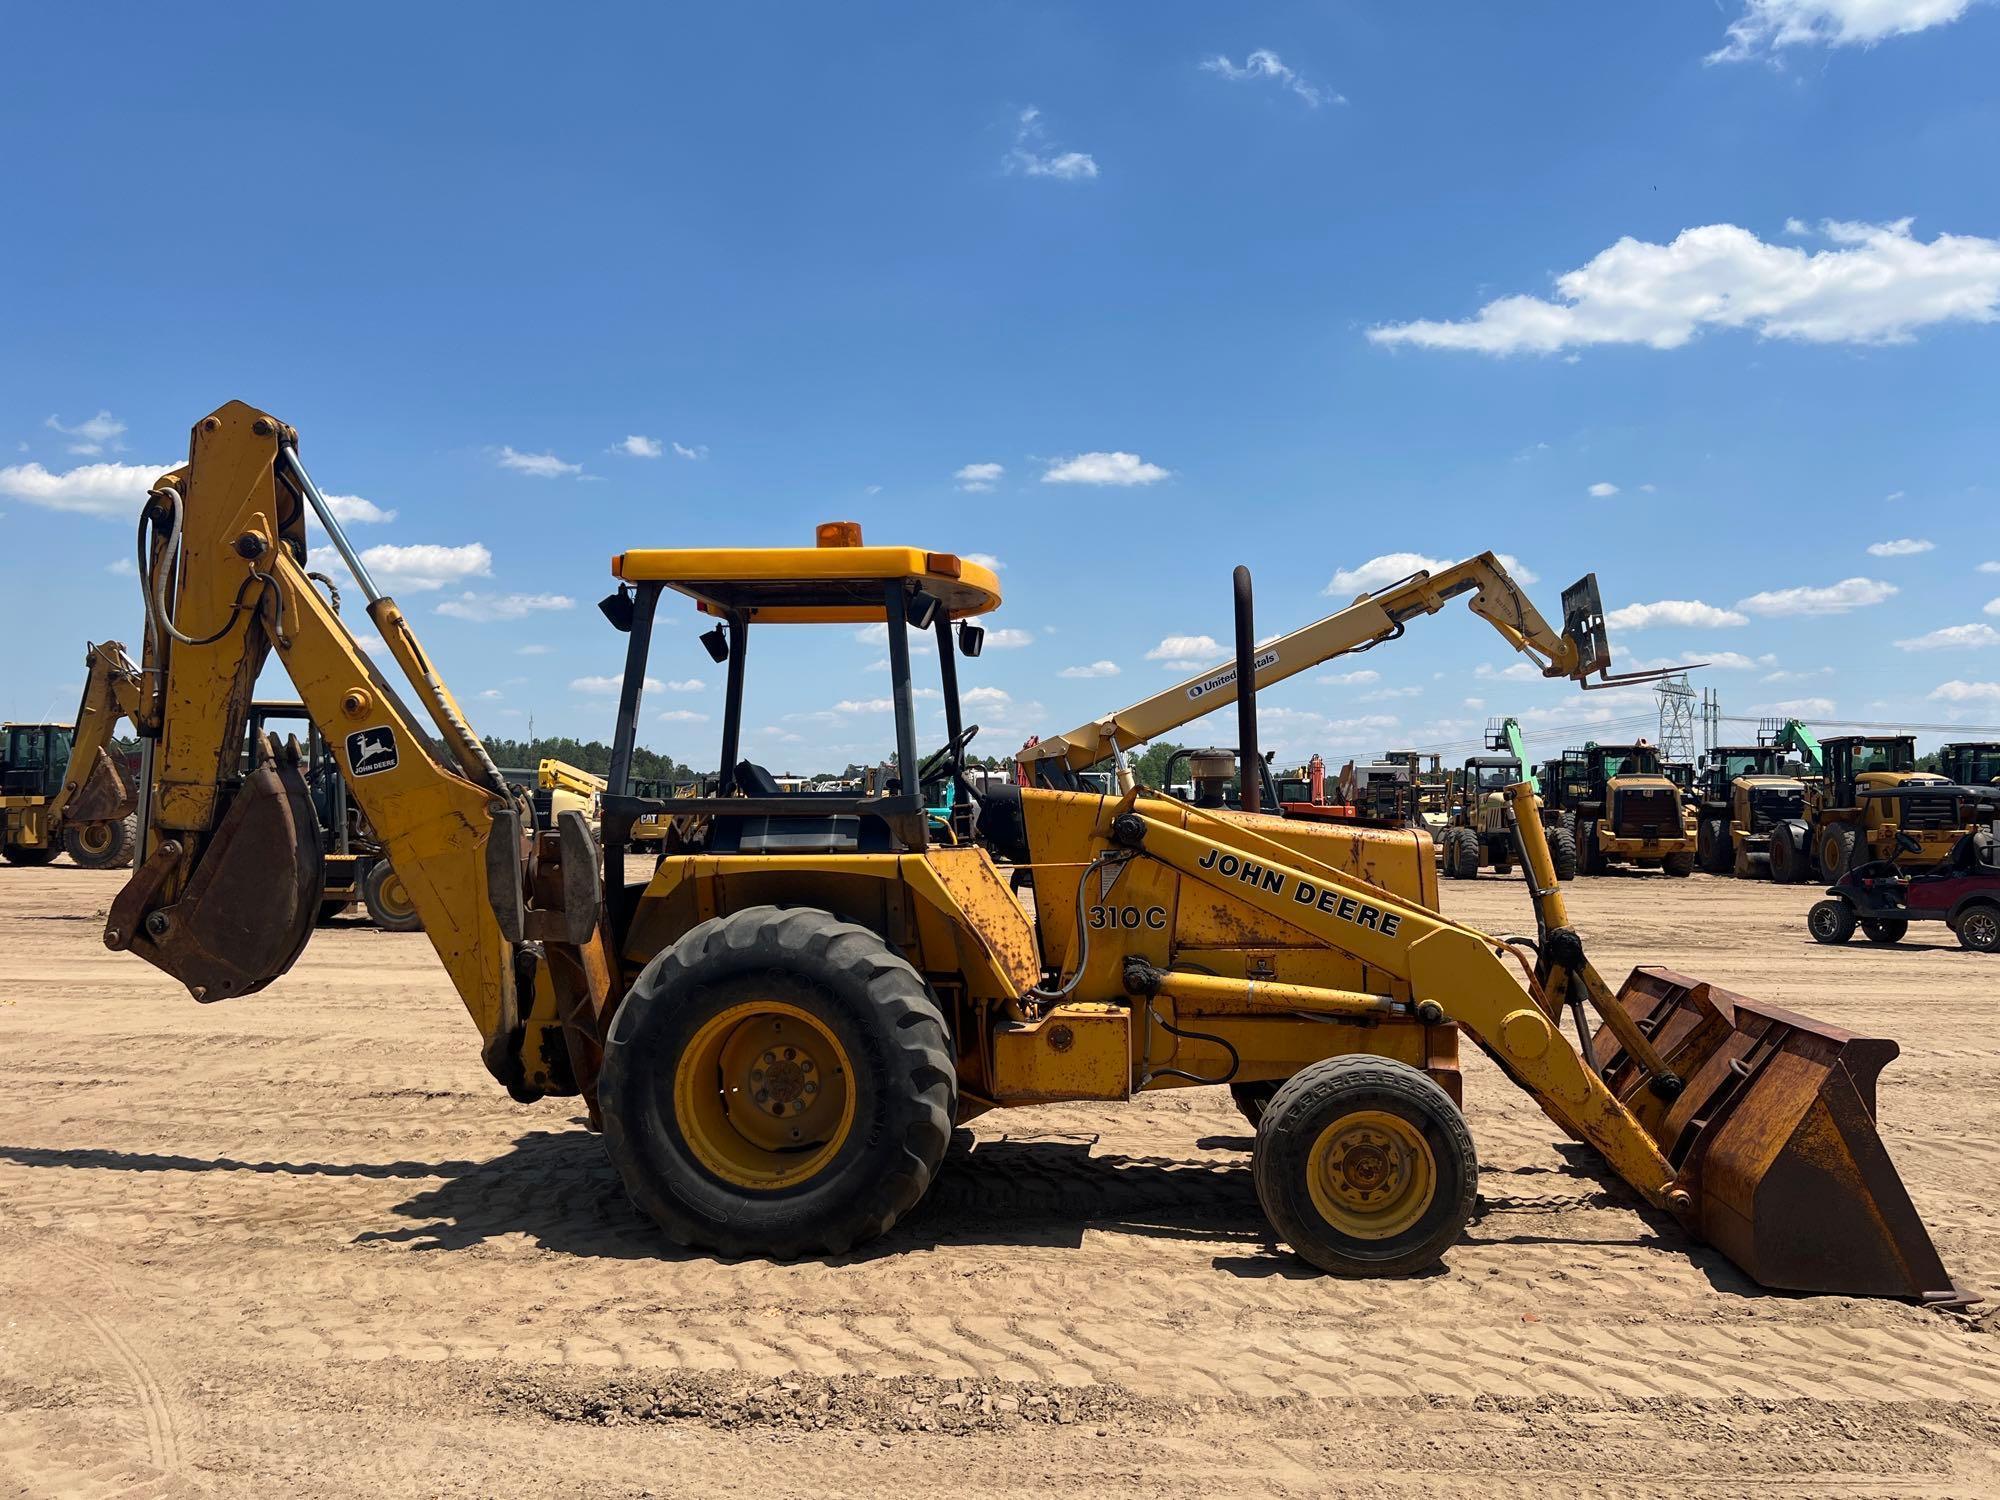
[1249,759]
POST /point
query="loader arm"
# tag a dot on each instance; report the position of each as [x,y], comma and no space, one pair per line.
[1577,651]
[226,882]
[95,788]
[1752,1125]
[561,776]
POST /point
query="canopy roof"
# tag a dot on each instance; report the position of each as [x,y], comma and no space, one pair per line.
[810,585]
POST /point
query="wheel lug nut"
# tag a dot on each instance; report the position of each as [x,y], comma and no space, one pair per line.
[770,1057]
[790,1053]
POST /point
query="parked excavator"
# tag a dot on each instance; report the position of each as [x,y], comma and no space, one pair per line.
[62,786]
[779,1026]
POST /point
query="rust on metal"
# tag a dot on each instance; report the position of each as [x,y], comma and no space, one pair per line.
[1774,1139]
[249,904]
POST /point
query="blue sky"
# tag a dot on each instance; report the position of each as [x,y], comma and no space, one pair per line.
[1699,296]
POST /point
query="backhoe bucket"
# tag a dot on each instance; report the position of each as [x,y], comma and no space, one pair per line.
[248,908]
[1773,1135]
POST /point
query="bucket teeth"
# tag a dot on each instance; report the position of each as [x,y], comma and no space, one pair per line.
[248,908]
[1774,1139]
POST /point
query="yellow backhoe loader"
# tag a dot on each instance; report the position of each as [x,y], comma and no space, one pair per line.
[61,787]
[780,1024]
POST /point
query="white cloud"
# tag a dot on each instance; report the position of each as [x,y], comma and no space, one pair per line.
[1475,703]
[920,642]
[92,434]
[352,510]
[636,446]
[985,560]
[979,478]
[1095,669]
[1603,491]
[1186,653]
[88,489]
[424,566]
[1394,567]
[1360,678]
[1383,694]
[696,453]
[975,697]
[1733,661]
[865,706]
[487,607]
[1806,676]
[686,685]
[541,465]
[123,568]
[532,650]
[1877,285]
[1768,25]
[1966,692]
[1519,671]
[1953,637]
[1104,468]
[610,684]
[1901,547]
[1989,567]
[491,695]
[1007,639]
[683,716]
[1833,599]
[1798,708]
[1033,157]
[1992,607]
[1266,64]
[1692,613]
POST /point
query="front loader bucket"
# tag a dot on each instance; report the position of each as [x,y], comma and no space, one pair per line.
[246,911]
[1773,1136]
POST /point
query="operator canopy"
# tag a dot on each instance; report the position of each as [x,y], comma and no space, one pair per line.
[837,582]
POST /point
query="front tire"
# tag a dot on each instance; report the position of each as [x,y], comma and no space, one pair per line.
[388,901]
[1365,1167]
[778,1083]
[102,846]
[1562,850]
[1836,852]
[1466,851]
[1830,921]
[1788,860]
[1712,851]
[1679,865]
[21,854]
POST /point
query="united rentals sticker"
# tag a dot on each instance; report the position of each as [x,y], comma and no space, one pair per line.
[371,750]
[1197,691]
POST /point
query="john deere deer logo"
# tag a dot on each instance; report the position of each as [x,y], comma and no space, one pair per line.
[371,750]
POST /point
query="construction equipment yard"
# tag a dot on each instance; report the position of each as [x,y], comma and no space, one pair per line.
[304,1246]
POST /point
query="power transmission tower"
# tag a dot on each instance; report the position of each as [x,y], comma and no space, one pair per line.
[1677,708]
[1711,719]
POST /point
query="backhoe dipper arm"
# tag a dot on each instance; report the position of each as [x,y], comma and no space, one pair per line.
[227,884]
[95,789]
[1576,651]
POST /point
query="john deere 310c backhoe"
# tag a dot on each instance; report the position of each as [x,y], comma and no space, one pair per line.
[780,1020]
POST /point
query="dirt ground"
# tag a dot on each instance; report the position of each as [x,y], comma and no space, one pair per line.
[300,1244]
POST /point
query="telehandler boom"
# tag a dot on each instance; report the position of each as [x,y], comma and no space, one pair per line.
[1578,651]
[780,1022]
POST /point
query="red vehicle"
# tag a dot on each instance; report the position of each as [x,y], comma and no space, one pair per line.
[1962,891]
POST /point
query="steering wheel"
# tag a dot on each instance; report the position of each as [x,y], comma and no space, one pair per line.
[952,750]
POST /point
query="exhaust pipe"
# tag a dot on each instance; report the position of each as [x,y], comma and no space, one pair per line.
[1249,758]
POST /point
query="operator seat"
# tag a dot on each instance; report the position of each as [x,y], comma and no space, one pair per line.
[752,780]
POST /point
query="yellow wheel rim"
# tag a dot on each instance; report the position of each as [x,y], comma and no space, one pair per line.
[1371,1174]
[94,837]
[764,1095]
[395,900]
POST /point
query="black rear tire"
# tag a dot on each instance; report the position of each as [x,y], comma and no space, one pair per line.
[901,1083]
[1979,929]
[1712,851]
[102,846]
[1891,930]
[1562,850]
[1836,852]
[1363,1135]
[1467,853]
[1680,865]
[1789,863]
[1830,921]
[1590,859]
[20,854]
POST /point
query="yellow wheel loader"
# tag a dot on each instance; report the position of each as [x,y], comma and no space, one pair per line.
[1745,792]
[1627,812]
[1871,802]
[780,1019]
